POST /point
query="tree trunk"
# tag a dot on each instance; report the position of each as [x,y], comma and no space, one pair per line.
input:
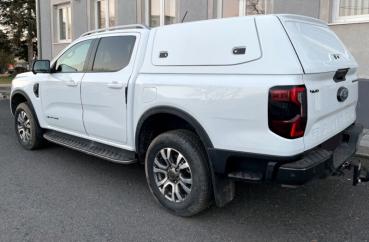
[30,52]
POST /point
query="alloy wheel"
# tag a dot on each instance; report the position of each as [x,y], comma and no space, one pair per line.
[172,175]
[24,127]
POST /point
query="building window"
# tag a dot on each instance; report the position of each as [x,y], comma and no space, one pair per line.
[105,14]
[169,11]
[161,12]
[233,8]
[351,10]
[64,23]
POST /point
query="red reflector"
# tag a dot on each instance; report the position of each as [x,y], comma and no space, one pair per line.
[289,129]
[280,95]
[297,128]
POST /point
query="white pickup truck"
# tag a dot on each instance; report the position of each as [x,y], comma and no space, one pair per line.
[202,104]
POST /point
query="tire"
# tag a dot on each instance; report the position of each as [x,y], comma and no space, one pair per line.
[28,131]
[188,178]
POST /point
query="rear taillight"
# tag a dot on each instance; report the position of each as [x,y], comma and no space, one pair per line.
[288,111]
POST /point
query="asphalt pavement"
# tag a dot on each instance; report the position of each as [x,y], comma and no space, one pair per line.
[56,194]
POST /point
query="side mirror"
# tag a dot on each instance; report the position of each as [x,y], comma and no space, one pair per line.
[41,66]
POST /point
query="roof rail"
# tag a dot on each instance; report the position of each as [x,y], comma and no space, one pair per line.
[130,26]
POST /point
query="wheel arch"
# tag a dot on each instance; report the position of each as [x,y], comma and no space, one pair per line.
[168,110]
[19,97]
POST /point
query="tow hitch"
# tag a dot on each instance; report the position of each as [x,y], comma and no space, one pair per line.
[360,173]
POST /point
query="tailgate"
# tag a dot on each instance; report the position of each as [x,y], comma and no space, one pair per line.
[330,78]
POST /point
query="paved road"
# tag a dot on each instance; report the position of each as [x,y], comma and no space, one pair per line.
[56,194]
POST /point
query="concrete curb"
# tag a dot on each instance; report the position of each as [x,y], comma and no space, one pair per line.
[4,91]
[363,150]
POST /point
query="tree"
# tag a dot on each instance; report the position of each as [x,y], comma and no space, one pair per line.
[19,19]
[255,7]
[6,56]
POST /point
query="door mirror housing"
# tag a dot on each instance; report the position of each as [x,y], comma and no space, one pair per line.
[41,66]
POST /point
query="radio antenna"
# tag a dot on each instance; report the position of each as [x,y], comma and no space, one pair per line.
[184,17]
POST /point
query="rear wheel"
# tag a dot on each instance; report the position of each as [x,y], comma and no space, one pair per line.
[27,129]
[177,172]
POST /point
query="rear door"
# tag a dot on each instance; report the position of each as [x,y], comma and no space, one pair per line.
[103,91]
[330,77]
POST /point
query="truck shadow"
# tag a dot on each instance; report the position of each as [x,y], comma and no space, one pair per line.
[329,210]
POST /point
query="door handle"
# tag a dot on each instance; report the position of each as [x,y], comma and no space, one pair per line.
[115,85]
[71,83]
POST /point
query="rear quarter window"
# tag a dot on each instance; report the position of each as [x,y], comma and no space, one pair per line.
[113,53]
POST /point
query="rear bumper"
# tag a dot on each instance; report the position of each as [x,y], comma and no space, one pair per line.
[297,170]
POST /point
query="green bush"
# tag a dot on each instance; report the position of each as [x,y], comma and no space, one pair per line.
[6,80]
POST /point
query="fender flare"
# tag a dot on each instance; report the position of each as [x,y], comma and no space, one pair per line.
[180,114]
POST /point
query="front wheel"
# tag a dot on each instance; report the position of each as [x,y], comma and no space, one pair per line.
[27,128]
[177,172]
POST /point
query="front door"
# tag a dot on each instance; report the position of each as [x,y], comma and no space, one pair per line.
[60,91]
[104,88]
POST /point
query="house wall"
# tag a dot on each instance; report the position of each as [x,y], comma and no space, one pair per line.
[301,7]
[80,18]
[45,28]
[354,35]
[197,10]
[126,11]
[356,38]
[83,18]
[56,47]
[49,45]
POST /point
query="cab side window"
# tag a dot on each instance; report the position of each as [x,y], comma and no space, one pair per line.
[73,60]
[113,53]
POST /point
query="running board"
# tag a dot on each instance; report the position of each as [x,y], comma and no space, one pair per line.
[92,148]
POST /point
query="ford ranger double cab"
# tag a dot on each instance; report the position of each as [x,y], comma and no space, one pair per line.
[202,104]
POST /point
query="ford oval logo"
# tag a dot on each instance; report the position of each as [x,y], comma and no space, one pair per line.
[342,94]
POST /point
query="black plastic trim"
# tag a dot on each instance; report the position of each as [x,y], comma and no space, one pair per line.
[291,170]
[91,55]
[219,158]
[93,148]
[29,102]
[179,113]
[340,75]
[36,89]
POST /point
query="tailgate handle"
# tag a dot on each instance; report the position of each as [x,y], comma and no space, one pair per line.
[340,75]
[239,50]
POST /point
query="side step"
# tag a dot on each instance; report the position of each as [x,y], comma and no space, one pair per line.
[92,148]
